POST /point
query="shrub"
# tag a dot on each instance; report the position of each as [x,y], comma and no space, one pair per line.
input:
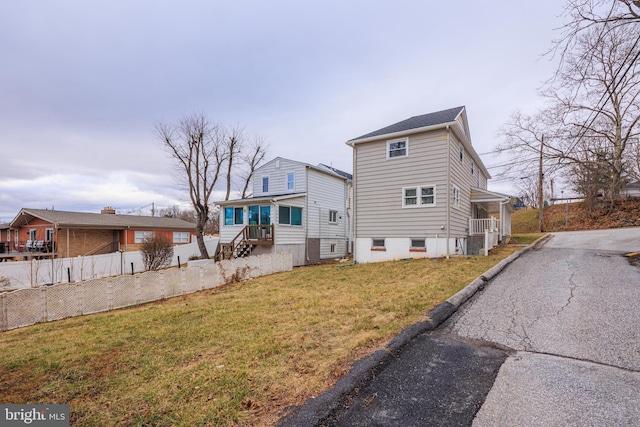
[157,252]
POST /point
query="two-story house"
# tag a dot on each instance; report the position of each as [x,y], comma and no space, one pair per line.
[420,190]
[295,207]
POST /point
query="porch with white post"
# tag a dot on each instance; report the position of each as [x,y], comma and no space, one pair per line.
[495,226]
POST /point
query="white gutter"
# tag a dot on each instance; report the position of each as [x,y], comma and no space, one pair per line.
[353,142]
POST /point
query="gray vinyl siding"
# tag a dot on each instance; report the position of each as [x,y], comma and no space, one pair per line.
[460,177]
[278,177]
[379,182]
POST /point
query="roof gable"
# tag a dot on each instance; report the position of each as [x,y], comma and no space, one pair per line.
[417,122]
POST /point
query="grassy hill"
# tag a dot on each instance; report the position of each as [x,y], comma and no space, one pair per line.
[576,216]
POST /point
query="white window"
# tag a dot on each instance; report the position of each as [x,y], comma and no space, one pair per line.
[291,181]
[333,217]
[141,235]
[418,243]
[473,168]
[455,197]
[461,150]
[333,248]
[419,196]
[377,243]
[181,237]
[49,235]
[397,148]
[265,184]
[32,234]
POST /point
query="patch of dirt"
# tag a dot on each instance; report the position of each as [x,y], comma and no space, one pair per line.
[577,216]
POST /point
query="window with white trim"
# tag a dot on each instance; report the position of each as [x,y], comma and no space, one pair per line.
[48,235]
[418,243]
[473,168]
[461,152]
[455,197]
[181,237]
[377,243]
[141,235]
[333,217]
[419,196]
[291,181]
[32,234]
[397,148]
[265,184]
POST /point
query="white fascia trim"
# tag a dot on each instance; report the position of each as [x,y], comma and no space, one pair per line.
[400,134]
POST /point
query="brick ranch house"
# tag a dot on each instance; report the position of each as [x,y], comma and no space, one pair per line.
[70,234]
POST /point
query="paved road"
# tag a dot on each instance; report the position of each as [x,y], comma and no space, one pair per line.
[553,340]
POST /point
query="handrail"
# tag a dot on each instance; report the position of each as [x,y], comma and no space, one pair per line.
[102,246]
[255,234]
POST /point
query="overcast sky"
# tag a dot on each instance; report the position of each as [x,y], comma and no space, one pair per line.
[82,83]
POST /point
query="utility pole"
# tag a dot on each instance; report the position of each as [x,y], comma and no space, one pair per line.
[540,195]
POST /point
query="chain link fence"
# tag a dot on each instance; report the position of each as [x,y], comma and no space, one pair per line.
[26,307]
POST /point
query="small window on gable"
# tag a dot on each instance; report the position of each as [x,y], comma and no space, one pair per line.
[333,217]
[265,184]
[291,181]
[397,148]
[461,151]
[473,168]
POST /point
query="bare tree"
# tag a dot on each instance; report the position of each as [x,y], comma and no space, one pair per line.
[200,151]
[598,100]
[235,141]
[598,16]
[254,156]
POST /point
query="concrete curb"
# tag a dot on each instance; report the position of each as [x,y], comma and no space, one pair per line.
[319,408]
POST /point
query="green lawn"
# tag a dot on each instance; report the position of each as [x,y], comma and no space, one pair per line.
[236,355]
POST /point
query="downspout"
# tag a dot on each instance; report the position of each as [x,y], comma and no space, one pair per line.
[306,216]
[353,203]
[448,190]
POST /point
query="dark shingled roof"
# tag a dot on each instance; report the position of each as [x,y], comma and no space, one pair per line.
[338,171]
[102,220]
[416,122]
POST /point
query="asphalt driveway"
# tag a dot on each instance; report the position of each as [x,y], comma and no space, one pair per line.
[552,340]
